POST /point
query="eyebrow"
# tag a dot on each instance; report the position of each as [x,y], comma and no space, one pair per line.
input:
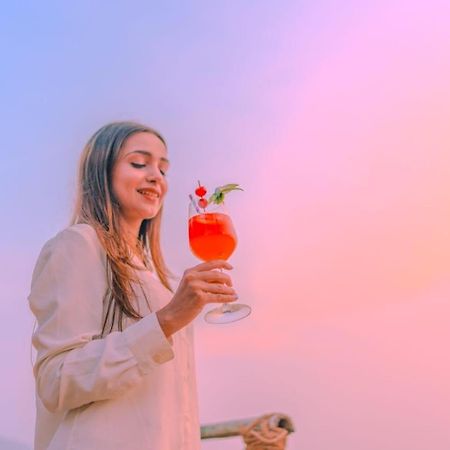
[147,153]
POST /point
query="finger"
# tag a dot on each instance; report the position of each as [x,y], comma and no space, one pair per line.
[214,264]
[215,288]
[214,276]
[219,298]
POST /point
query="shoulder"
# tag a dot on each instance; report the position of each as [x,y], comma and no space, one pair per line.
[69,270]
[80,232]
[75,241]
[74,249]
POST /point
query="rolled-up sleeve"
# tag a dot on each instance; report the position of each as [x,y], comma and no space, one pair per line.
[73,366]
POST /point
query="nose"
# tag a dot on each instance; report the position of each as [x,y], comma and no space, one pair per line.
[153,174]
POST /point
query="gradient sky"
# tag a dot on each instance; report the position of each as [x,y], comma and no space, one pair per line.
[334,118]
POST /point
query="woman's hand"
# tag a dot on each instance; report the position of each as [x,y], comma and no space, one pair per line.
[200,285]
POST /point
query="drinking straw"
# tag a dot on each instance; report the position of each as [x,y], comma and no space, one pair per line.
[193,202]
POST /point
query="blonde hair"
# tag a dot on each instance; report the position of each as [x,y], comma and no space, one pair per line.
[96,205]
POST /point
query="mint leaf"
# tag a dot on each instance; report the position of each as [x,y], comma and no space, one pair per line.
[219,193]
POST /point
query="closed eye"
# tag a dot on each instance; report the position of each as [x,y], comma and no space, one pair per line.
[138,166]
[141,166]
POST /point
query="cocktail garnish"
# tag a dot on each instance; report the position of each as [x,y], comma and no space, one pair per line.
[219,193]
[200,191]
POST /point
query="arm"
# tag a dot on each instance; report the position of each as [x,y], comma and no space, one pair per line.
[72,367]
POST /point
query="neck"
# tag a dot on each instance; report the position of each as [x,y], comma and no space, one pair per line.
[130,233]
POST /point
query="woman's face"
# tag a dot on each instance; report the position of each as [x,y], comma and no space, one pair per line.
[138,177]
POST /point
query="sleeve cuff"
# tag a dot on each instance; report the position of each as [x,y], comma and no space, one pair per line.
[148,343]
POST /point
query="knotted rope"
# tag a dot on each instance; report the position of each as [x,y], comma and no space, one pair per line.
[264,434]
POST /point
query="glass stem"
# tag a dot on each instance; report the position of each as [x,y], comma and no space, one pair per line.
[225,306]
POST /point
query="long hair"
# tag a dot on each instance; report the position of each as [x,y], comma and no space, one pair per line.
[96,205]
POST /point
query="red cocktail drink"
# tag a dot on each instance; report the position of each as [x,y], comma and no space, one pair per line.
[212,236]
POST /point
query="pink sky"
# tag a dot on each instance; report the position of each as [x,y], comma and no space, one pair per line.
[347,248]
[337,128]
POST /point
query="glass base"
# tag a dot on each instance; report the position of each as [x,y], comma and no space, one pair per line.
[227,313]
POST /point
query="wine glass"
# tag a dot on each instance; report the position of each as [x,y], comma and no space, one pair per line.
[212,236]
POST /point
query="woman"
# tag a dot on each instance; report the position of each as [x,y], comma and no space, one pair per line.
[115,365]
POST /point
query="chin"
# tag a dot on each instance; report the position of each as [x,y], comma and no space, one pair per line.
[150,214]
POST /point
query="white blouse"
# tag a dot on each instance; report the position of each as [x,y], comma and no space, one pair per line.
[130,390]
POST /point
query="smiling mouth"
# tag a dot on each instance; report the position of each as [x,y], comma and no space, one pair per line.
[149,194]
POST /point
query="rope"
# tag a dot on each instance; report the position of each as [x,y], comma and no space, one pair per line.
[263,434]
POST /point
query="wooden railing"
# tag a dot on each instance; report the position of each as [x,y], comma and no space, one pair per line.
[268,427]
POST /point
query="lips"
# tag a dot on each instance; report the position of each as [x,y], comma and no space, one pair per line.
[150,194]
